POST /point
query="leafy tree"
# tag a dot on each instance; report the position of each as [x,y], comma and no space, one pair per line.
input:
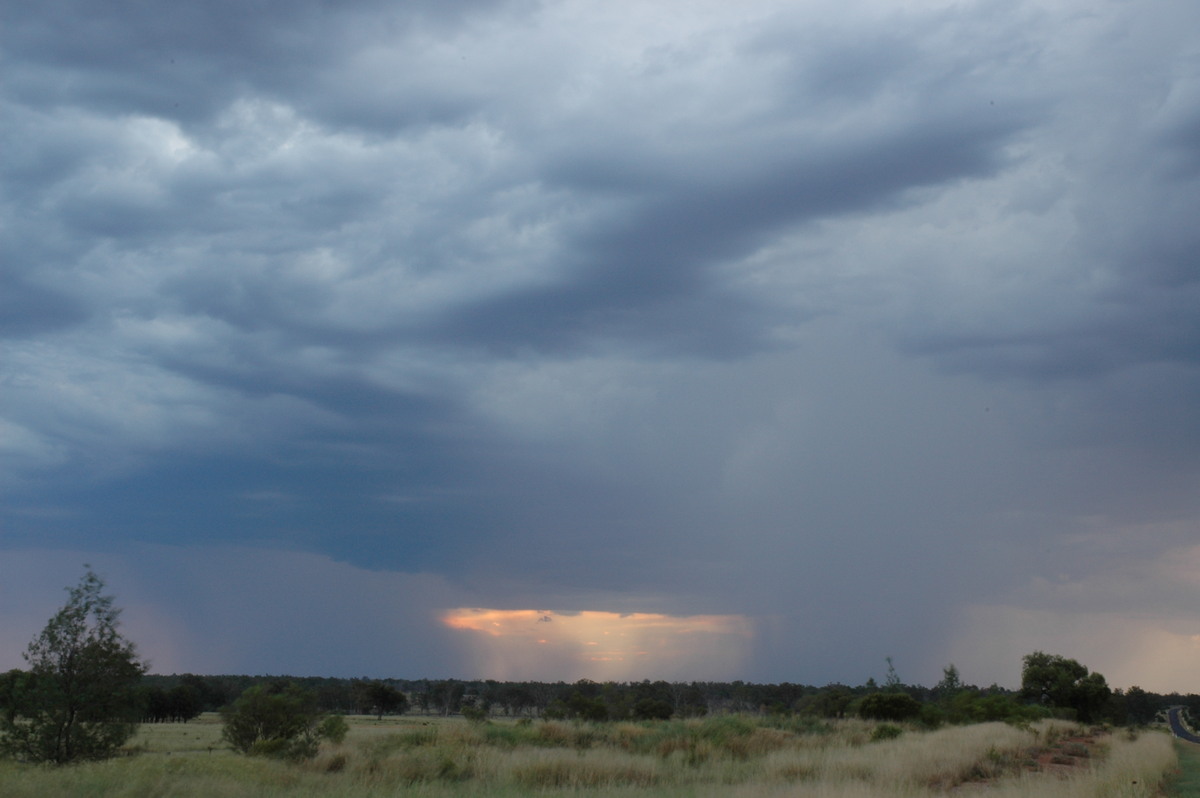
[79,699]
[889,706]
[1055,681]
[950,685]
[444,696]
[691,701]
[177,705]
[279,719]
[1139,709]
[831,701]
[652,709]
[378,698]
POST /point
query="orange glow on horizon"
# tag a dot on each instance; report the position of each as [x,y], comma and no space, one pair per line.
[512,644]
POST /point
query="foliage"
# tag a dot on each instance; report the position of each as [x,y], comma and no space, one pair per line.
[333,728]
[1137,706]
[279,720]
[652,709]
[886,731]
[950,684]
[177,705]
[378,698]
[1055,681]
[889,706]
[942,703]
[971,705]
[578,707]
[79,698]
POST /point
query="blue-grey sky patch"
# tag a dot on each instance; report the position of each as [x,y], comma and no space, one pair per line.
[843,328]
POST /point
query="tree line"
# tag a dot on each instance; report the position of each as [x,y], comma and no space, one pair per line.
[1051,686]
[86,690]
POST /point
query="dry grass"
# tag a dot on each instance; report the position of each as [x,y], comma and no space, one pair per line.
[724,756]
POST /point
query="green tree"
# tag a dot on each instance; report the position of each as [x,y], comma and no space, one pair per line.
[949,686]
[652,709]
[377,698]
[1139,709]
[79,699]
[279,719]
[889,706]
[1055,681]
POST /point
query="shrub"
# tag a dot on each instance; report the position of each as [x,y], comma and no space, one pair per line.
[333,728]
[652,709]
[886,731]
[889,706]
[279,720]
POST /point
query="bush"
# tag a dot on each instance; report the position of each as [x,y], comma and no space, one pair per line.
[652,709]
[333,728]
[886,731]
[278,720]
[889,706]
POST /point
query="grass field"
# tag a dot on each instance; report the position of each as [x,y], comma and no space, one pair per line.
[1186,783]
[723,755]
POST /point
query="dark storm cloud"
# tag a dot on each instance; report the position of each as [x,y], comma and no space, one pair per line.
[836,317]
[646,275]
[187,61]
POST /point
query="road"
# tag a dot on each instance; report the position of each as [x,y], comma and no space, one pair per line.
[1177,725]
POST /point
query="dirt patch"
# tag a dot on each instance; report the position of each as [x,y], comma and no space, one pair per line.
[1060,758]
[1064,757]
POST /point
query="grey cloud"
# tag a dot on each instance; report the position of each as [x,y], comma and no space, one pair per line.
[188,61]
[649,273]
[28,309]
[840,320]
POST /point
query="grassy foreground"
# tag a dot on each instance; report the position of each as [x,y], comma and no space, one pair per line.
[1186,782]
[725,755]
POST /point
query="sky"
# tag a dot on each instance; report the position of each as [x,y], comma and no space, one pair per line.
[557,340]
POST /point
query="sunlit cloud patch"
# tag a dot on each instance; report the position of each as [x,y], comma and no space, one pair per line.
[537,644]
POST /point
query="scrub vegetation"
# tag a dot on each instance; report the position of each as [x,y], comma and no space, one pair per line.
[69,726]
[719,755]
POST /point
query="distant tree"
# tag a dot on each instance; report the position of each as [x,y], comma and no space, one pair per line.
[444,696]
[891,682]
[652,709]
[515,698]
[1055,681]
[1139,708]
[950,684]
[831,701]
[577,706]
[177,705]
[377,698]
[185,703]
[691,701]
[79,699]
[279,719]
[889,706]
